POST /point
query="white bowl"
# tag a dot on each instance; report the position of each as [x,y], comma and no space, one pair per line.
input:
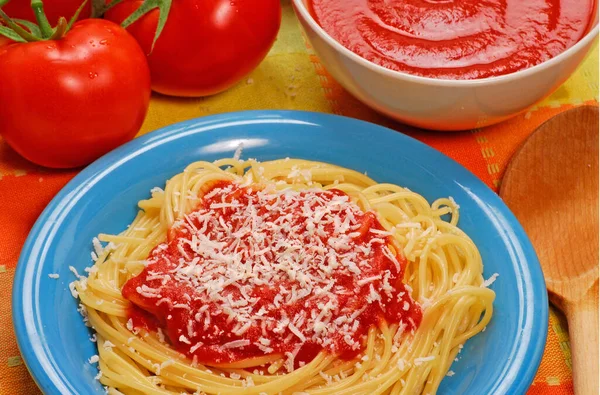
[441,104]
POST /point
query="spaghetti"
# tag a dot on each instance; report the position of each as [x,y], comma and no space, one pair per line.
[286,276]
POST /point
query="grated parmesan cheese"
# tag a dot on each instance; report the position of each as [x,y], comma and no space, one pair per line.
[490,281]
[421,360]
[238,151]
[296,242]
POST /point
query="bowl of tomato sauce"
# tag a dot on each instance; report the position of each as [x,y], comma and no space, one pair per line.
[450,64]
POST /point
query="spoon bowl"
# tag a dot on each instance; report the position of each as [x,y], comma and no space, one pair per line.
[551,185]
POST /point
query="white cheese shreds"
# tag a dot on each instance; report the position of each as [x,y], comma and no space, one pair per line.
[74,292]
[456,205]
[421,360]
[108,345]
[236,344]
[490,280]
[309,248]
[240,148]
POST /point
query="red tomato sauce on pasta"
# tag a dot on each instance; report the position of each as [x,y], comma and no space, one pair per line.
[254,272]
[455,39]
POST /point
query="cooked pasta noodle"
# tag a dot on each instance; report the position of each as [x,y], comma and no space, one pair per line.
[444,270]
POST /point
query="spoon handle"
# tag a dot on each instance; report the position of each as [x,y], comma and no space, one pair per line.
[582,317]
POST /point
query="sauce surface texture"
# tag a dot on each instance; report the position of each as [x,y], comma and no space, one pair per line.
[455,39]
[253,272]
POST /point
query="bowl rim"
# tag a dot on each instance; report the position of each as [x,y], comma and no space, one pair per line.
[25,309]
[302,10]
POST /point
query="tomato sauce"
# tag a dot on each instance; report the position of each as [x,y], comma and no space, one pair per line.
[455,39]
[254,272]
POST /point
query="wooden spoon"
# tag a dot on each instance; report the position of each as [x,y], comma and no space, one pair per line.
[551,185]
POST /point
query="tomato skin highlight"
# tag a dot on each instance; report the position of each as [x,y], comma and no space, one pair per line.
[54,9]
[64,103]
[206,46]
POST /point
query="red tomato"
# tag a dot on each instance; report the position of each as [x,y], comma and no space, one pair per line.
[206,46]
[67,102]
[54,9]
[4,40]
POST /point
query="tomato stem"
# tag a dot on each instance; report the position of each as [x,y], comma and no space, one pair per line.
[164,6]
[99,7]
[38,9]
[60,29]
[75,16]
[17,30]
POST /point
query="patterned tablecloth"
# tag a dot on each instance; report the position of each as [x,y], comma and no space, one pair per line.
[291,77]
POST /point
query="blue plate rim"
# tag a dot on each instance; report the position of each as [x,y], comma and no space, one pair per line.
[30,349]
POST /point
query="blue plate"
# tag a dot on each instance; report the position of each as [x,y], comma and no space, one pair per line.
[102,198]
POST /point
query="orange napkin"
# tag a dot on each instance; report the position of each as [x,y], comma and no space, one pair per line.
[291,77]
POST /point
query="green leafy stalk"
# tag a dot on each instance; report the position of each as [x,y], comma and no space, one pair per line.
[164,6]
[40,16]
[112,4]
[9,33]
[18,30]
[75,16]
[3,3]
[60,29]
[33,28]
[99,7]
